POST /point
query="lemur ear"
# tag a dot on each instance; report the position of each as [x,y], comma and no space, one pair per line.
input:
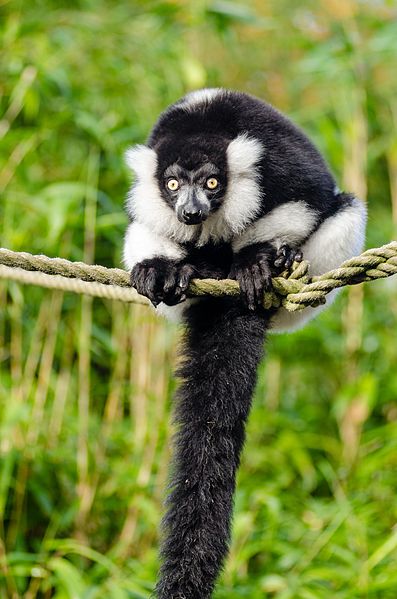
[243,153]
[142,160]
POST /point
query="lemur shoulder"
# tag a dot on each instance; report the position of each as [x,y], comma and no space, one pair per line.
[226,187]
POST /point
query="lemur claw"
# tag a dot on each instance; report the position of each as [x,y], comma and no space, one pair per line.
[286,256]
[162,280]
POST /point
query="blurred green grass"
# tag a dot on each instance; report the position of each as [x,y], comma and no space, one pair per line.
[86,384]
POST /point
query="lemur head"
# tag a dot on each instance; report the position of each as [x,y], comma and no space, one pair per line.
[198,159]
[192,176]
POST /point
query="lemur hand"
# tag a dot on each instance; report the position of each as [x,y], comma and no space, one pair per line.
[254,266]
[251,267]
[162,280]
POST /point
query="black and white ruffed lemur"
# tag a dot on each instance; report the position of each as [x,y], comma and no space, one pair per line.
[226,187]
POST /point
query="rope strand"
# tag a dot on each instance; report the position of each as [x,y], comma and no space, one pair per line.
[294,290]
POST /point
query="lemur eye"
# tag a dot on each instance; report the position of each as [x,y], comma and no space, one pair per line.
[212,183]
[173,184]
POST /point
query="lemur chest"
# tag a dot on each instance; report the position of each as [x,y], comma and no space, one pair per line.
[212,260]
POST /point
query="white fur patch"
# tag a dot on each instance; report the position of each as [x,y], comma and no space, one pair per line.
[175,313]
[243,153]
[243,196]
[144,201]
[288,223]
[141,160]
[141,243]
[199,96]
[339,238]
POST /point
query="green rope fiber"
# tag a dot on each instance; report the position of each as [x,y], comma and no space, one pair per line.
[294,291]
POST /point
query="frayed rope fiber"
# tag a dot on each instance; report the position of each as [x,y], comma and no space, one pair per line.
[294,291]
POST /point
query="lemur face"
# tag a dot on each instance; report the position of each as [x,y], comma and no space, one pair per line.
[193,193]
[192,177]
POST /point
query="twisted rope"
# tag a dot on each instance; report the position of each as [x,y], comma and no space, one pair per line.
[294,291]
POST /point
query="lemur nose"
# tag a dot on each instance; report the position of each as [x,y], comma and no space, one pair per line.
[191,217]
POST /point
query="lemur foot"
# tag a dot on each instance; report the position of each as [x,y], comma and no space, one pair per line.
[162,280]
[252,269]
[286,256]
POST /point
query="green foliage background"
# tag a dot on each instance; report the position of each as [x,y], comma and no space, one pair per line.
[85,385]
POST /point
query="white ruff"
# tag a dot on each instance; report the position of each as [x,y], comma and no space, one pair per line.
[144,202]
[243,196]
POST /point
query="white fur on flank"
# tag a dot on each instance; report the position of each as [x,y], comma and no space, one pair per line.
[199,96]
[339,238]
[288,223]
[175,313]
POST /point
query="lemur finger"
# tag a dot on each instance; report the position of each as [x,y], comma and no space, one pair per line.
[247,289]
[152,287]
[266,274]
[185,275]
[177,283]
[172,291]
[298,256]
[258,284]
[286,256]
[294,256]
[289,261]
[170,280]
[281,255]
[279,262]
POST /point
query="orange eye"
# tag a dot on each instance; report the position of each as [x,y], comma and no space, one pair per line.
[212,183]
[173,184]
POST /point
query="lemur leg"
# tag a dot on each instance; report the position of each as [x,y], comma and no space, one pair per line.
[261,250]
[339,238]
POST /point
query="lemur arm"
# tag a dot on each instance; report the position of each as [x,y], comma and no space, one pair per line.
[269,245]
[156,264]
[291,232]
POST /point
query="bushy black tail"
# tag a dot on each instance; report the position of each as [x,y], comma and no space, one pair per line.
[223,346]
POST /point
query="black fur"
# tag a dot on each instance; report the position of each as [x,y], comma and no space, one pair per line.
[212,407]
